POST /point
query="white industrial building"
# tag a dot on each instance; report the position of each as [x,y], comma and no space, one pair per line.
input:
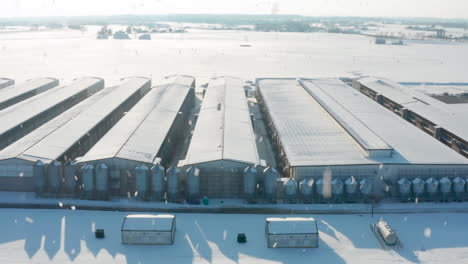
[147,135]
[17,93]
[68,136]
[291,232]
[223,142]
[444,121]
[148,229]
[22,118]
[322,126]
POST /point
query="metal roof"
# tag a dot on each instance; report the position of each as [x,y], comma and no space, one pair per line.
[148,222]
[410,145]
[5,82]
[223,130]
[309,135]
[21,91]
[17,114]
[139,135]
[55,144]
[365,137]
[291,225]
[452,117]
[17,149]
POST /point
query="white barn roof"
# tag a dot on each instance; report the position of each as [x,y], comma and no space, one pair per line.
[224,130]
[291,225]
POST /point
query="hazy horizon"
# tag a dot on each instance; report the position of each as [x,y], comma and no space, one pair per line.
[448,9]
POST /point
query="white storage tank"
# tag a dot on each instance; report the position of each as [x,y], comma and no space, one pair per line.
[291,232]
[173,183]
[365,187]
[388,235]
[141,177]
[337,189]
[432,186]
[351,185]
[193,185]
[270,175]
[157,182]
[39,175]
[445,185]
[404,186]
[319,189]
[418,187]
[459,185]
[102,181]
[70,177]
[54,176]
[306,189]
[87,179]
[148,229]
[290,189]
[250,182]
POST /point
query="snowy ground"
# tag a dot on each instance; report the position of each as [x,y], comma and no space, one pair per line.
[64,236]
[67,54]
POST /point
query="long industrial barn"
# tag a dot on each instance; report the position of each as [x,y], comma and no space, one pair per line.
[74,134]
[444,121]
[324,124]
[20,119]
[5,82]
[14,94]
[147,135]
[223,143]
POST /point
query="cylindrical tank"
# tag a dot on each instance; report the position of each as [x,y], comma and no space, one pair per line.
[39,175]
[70,177]
[418,186]
[157,181]
[337,186]
[445,185]
[290,189]
[54,176]
[365,186]
[250,181]
[193,185]
[459,185]
[102,181]
[87,175]
[404,186]
[306,187]
[269,182]
[141,177]
[432,186]
[319,188]
[351,185]
[173,182]
[386,232]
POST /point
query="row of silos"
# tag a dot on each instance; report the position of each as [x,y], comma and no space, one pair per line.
[54,179]
[324,190]
[431,189]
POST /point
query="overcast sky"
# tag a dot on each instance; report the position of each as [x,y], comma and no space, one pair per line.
[389,8]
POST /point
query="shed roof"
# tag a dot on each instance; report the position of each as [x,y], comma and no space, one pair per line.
[291,225]
[148,222]
[452,117]
[309,135]
[410,145]
[139,135]
[35,85]
[224,129]
[17,114]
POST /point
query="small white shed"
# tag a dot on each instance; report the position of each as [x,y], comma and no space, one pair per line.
[292,232]
[148,229]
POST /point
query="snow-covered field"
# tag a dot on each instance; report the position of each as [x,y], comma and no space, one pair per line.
[64,236]
[67,54]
